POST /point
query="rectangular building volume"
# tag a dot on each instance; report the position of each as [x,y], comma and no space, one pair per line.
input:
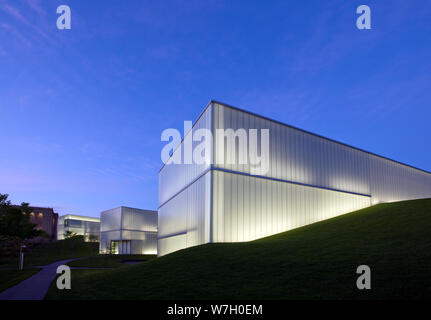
[309,178]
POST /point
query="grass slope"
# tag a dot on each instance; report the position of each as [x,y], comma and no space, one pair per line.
[9,278]
[110,261]
[63,249]
[317,261]
[59,250]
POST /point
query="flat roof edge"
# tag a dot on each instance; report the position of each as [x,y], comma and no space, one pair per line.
[120,207]
[317,135]
[182,139]
[292,127]
[79,217]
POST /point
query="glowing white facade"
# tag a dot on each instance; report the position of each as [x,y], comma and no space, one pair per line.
[125,230]
[88,227]
[309,178]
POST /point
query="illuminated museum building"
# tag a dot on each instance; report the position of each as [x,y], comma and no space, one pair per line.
[310,178]
[79,225]
[126,230]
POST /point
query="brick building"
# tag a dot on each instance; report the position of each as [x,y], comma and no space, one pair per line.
[45,219]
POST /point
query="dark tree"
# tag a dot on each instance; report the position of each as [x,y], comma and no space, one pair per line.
[69,234]
[15,220]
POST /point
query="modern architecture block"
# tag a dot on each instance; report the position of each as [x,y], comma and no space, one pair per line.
[71,224]
[309,178]
[125,230]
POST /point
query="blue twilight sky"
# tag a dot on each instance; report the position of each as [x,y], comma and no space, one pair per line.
[82,110]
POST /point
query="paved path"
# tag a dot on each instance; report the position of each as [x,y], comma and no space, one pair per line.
[35,287]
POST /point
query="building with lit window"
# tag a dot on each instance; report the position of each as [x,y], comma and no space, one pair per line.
[125,230]
[45,219]
[309,178]
[71,224]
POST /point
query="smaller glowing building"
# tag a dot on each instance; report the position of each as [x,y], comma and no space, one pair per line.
[125,230]
[78,225]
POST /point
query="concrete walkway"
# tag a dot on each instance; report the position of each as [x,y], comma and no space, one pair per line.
[35,287]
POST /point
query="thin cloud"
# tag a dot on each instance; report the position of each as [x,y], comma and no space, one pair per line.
[16,33]
[13,12]
[16,14]
[34,4]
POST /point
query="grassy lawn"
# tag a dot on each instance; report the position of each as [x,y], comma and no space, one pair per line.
[318,261]
[9,278]
[59,250]
[109,261]
[75,275]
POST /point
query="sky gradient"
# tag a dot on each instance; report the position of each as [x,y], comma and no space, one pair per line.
[82,110]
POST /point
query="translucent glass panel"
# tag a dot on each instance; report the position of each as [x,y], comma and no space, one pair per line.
[140,242]
[123,247]
[298,156]
[110,219]
[391,181]
[136,243]
[60,228]
[247,208]
[171,244]
[106,238]
[302,157]
[184,220]
[91,227]
[139,220]
[124,223]
[174,177]
[137,235]
[147,246]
